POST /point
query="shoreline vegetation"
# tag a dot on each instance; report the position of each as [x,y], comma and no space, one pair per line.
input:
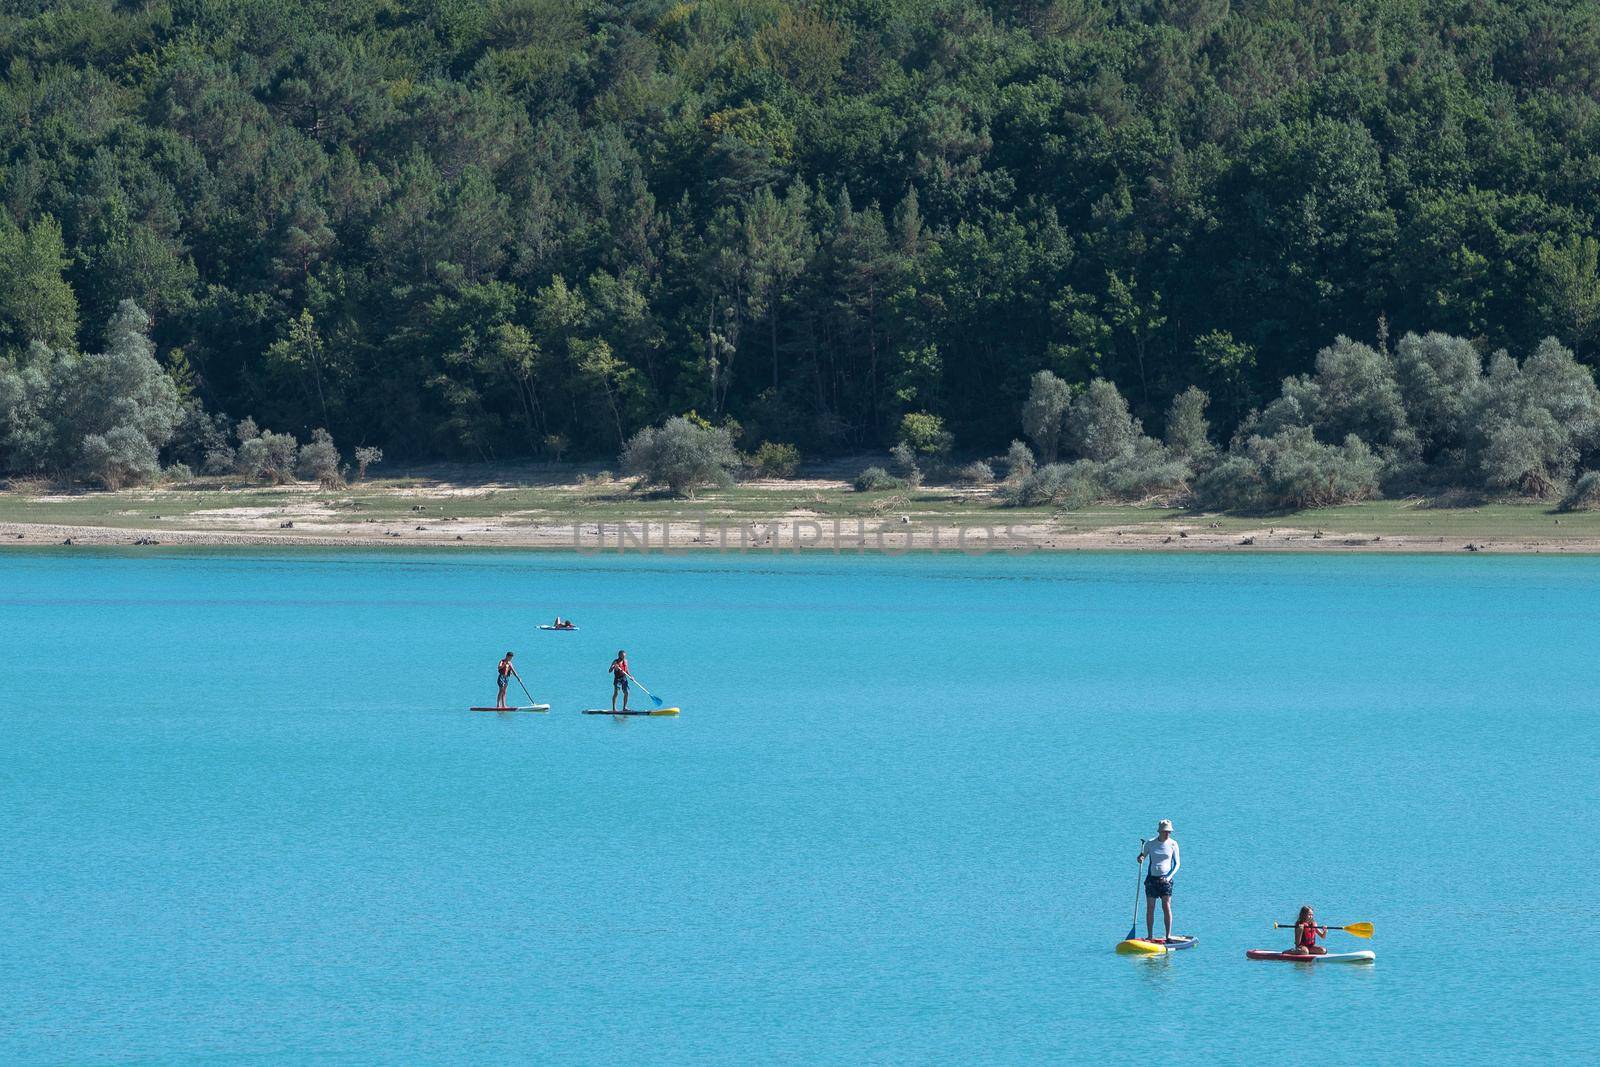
[1247,258]
[576,509]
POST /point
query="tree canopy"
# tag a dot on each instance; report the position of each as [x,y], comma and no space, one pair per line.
[489,229]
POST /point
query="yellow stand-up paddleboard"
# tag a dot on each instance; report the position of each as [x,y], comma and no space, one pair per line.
[631,711]
[1137,946]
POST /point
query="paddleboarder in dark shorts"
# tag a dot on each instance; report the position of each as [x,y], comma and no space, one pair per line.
[1163,856]
[503,679]
[619,679]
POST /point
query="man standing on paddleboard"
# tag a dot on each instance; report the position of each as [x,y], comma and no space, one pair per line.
[619,679]
[503,679]
[1163,855]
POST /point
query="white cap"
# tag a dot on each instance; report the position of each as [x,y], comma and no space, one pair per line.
[1164,824]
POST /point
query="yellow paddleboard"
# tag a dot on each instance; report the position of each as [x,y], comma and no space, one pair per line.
[1140,947]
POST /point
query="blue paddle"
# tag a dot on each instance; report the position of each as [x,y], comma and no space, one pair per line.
[657,701]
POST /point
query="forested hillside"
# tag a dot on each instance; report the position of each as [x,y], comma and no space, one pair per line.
[489,230]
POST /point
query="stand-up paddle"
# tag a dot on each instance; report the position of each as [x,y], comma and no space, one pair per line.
[1138,884]
[1357,929]
[653,698]
[523,686]
[1133,945]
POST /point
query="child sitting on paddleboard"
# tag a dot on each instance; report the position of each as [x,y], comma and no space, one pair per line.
[1306,932]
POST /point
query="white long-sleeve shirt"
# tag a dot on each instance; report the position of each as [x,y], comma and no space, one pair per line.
[1163,856]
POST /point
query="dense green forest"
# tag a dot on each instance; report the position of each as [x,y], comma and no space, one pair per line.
[491,229]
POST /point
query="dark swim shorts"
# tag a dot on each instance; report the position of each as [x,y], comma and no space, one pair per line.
[1157,886]
[619,681]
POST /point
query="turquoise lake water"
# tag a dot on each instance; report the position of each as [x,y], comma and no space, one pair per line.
[246,815]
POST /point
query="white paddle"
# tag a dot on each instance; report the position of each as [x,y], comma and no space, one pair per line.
[531,702]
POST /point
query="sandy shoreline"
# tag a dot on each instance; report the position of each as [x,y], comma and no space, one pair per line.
[782,534]
[562,511]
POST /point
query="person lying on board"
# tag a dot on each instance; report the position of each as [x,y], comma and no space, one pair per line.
[619,679]
[1306,932]
[564,624]
[503,678]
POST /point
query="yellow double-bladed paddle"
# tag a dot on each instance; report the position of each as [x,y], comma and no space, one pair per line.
[1359,929]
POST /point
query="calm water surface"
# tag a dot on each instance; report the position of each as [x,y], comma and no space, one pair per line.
[246,815]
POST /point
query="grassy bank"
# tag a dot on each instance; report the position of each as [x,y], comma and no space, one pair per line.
[441,502]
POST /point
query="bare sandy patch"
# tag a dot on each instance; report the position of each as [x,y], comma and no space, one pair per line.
[793,485]
[260,517]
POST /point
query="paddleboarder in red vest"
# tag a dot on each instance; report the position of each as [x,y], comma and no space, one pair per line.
[503,678]
[619,679]
[1163,855]
[1306,932]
